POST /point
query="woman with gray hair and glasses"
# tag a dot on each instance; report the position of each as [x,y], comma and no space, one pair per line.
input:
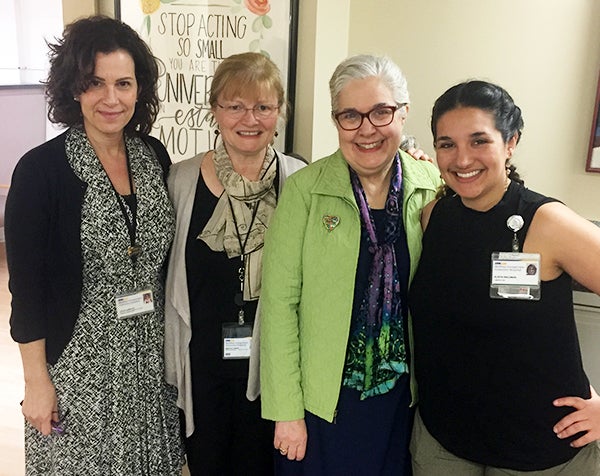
[339,255]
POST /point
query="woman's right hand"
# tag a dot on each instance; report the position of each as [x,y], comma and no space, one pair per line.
[290,438]
[40,405]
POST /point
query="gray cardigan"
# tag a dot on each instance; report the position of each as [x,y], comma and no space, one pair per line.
[182,183]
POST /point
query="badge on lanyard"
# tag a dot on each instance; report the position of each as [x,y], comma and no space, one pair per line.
[237,340]
[134,303]
[237,336]
[515,275]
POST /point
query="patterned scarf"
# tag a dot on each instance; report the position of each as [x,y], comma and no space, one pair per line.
[377,354]
[242,215]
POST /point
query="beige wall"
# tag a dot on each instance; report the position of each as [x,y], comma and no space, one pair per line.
[322,44]
[546,53]
[73,9]
[107,7]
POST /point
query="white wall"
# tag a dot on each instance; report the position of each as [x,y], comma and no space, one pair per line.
[24,27]
[25,129]
[322,44]
[546,53]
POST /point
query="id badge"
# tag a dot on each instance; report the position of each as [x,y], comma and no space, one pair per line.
[515,276]
[134,303]
[237,339]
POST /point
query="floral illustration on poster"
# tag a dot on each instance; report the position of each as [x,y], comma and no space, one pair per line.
[191,38]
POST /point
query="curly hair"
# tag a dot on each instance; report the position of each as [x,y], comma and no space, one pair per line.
[72,65]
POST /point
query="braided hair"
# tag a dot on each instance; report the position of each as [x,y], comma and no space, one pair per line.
[488,97]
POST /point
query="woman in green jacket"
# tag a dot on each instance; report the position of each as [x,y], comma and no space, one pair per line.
[339,255]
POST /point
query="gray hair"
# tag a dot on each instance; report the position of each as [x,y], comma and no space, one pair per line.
[367,66]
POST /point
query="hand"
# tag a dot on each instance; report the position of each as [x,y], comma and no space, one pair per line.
[290,439]
[586,418]
[419,154]
[40,405]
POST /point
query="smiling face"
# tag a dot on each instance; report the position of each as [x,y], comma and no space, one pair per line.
[472,155]
[369,150]
[108,104]
[246,134]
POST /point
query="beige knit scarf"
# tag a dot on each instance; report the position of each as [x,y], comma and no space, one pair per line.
[242,215]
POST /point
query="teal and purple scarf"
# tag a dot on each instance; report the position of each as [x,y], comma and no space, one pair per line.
[376,354]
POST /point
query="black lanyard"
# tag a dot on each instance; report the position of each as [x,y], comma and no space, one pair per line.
[129,212]
[239,297]
[254,211]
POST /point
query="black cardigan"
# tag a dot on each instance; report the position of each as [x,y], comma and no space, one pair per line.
[43,248]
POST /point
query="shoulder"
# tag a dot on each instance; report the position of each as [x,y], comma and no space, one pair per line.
[553,218]
[530,202]
[531,197]
[568,241]
[188,164]
[330,164]
[185,171]
[156,144]
[426,213]
[329,175]
[49,151]
[292,159]
[290,164]
[46,160]
[160,150]
[421,173]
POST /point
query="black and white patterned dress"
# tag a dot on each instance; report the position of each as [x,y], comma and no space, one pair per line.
[122,418]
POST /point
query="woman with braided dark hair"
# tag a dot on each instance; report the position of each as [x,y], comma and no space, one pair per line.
[498,346]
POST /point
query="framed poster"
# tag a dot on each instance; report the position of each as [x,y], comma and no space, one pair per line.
[593,160]
[190,38]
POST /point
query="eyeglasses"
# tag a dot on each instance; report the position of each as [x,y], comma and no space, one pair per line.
[379,116]
[260,111]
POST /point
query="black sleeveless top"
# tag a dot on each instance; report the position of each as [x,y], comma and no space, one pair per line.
[489,369]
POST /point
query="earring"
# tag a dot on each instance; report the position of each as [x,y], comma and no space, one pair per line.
[217,132]
[75,98]
[276,134]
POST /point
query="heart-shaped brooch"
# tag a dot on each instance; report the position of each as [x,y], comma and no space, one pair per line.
[330,222]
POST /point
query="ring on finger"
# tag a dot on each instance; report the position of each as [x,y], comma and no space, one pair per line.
[283,451]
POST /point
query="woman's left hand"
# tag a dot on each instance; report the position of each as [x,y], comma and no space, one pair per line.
[586,418]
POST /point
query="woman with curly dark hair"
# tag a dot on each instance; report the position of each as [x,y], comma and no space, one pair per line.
[88,227]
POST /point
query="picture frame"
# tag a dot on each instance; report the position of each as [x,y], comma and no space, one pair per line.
[190,38]
[593,158]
